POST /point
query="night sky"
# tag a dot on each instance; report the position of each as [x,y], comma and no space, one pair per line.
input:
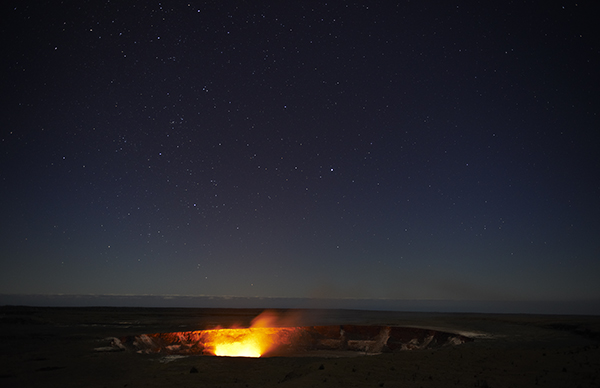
[399,150]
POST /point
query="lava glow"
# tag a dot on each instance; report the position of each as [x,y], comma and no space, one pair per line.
[252,342]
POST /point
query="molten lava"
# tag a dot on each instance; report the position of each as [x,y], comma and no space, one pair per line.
[252,342]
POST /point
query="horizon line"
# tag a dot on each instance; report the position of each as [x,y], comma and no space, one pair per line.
[165,296]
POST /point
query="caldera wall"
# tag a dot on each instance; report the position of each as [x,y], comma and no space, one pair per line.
[293,341]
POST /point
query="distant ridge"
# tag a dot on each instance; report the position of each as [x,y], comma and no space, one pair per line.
[572,307]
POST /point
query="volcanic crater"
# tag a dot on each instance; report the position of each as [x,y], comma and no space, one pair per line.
[325,341]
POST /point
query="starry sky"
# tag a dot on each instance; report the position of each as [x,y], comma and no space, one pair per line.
[412,150]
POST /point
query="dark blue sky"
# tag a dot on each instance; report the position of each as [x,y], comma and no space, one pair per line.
[409,150]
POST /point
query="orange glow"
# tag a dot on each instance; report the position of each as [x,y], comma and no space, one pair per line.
[252,342]
[255,341]
[268,333]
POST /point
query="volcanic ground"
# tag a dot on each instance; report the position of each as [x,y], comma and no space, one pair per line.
[94,347]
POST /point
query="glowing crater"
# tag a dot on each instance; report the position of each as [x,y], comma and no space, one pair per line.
[334,340]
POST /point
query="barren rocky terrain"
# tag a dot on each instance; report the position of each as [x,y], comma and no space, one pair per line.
[71,347]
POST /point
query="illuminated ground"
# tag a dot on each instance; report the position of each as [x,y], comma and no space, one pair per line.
[43,347]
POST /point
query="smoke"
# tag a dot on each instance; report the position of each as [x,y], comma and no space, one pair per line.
[267,318]
[296,317]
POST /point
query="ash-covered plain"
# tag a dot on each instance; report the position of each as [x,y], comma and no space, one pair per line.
[62,347]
